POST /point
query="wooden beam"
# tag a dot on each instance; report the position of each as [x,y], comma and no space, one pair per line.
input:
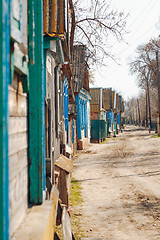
[36,103]
[4,82]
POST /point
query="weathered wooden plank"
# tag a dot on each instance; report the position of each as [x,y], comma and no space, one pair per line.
[64,163]
[17,103]
[66,224]
[18,196]
[106,98]
[33,227]
[17,125]
[95,93]
[18,216]
[17,142]
[62,186]
[94,108]
[18,190]
[117,101]
[17,163]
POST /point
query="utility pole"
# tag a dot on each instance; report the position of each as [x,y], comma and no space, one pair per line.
[158,83]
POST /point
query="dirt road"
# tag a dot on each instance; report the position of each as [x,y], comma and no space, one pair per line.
[120,182]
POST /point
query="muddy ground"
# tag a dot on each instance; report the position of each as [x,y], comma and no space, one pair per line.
[120,182]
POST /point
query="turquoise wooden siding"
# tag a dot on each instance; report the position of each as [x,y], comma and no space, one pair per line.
[4,82]
[79,117]
[36,102]
[82,113]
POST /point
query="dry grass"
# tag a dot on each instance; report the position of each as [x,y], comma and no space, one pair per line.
[122,151]
[75,208]
[75,201]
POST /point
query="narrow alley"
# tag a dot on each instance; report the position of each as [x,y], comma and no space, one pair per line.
[120,187]
[77,78]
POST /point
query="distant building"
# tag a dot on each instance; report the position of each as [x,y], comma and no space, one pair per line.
[82,96]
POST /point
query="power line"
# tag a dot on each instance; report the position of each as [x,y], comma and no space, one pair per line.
[146,15]
[124,50]
[137,40]
[150,2]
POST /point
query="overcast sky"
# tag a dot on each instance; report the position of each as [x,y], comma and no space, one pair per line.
[141,25]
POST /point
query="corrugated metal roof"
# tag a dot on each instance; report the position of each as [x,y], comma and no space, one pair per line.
[54,17]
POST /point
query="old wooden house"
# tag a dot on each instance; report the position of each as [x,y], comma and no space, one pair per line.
[106,105]
[37,122]
[119,109]
[100,104]
[81,90]
[96,102]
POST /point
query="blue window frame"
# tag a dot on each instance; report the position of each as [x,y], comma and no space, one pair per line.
[65,102]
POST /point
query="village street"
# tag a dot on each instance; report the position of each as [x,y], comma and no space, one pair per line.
[120,182]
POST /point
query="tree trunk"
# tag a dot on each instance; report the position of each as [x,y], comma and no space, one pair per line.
[149,107]
[158,83]
[139,112]
[146,125]
[73,25]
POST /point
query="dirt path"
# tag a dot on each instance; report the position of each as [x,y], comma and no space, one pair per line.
[121,187]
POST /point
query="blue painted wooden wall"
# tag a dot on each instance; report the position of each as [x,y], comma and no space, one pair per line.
[65,102]
[118,118]
[82,114]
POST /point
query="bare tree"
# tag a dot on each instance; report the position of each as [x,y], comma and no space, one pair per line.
[131,111]
[141,67]
[92,22]
[152,49]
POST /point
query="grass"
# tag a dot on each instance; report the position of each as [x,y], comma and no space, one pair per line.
[113,138]
[59,231]
[75,193]
[156,136]
[75,200]
[104,141]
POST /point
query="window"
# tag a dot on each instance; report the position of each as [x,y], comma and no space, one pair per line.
[16,20]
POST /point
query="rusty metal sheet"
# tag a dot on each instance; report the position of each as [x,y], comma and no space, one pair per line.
[53,17]
[61,16]
[45,16]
